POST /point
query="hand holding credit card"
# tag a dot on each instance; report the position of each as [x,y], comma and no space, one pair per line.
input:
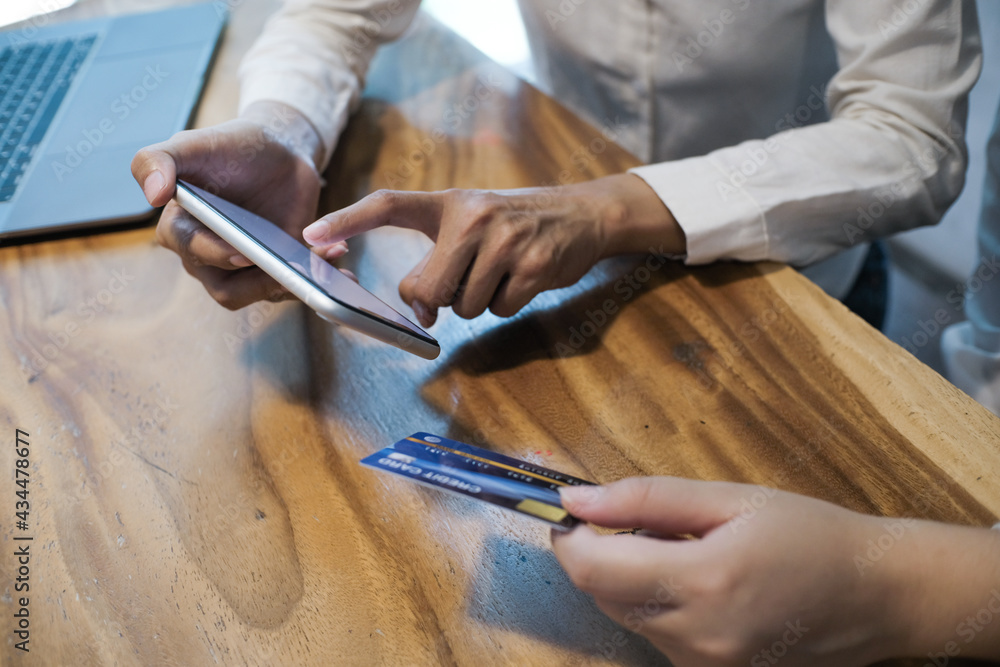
[479,473]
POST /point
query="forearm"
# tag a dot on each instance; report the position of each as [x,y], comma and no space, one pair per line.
[948,580]
[635,220]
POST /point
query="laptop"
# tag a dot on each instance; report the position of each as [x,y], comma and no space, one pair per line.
[77,100]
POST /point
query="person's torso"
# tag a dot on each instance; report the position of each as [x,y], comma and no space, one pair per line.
[678,78]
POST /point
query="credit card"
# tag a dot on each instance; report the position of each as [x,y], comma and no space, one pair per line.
[474,472]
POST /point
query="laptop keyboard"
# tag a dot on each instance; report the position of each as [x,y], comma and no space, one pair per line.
[34,80]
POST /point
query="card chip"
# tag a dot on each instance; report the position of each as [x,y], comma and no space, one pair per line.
[542,510]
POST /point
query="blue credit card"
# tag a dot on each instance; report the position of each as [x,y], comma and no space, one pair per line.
[470,471]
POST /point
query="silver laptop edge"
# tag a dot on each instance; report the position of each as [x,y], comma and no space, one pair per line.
[139,84]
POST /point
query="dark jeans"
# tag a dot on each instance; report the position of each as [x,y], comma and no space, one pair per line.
[869,296]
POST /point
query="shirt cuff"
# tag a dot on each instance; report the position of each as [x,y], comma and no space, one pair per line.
[720,221]
[327,113]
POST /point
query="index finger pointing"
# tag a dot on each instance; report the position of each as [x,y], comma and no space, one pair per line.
[412,210]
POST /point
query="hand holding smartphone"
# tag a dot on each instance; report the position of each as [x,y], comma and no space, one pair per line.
[335,297]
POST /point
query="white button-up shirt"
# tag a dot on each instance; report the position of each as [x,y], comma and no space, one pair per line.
[774,129]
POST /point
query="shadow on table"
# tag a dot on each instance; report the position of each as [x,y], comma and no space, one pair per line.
[563,323]
[286,346]
[525,590]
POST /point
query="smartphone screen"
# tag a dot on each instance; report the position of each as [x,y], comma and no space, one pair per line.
[299,258]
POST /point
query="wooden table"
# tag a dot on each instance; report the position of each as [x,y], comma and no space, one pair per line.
[196,496]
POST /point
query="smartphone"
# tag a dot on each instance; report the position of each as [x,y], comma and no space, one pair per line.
[335,297]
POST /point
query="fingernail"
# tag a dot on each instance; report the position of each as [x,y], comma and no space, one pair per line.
[579,496]
[336,251]
[153,186]
[556,534]
[240,260]
[316,232]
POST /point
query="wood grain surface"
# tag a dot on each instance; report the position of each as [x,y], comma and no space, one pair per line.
[195,487]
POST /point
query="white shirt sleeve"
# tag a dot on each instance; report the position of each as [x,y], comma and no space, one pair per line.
[313,55]
[891,157]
